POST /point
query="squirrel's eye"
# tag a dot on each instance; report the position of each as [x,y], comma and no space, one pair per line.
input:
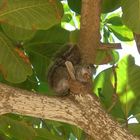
[88,67]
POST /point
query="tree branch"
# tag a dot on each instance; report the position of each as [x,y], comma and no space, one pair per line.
[83,110]
[89,40]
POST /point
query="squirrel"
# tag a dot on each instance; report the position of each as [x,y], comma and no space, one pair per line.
[58,75]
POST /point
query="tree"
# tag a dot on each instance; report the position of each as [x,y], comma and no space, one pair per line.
[31,38]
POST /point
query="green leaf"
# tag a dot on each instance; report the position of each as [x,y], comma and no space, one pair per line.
[74,36]
[14,68]
[128,79]
[78,133]
[16,129]
[75,5]
[39,61]
[115,20]
[114,24]
[131,14]
[67,18]
[121,32]
[115,57]
[110,5]
[17,34]
[134,128]
[43,88]
[31,14]
[43,133]
[4,137]
[136,109]
[39,138]
[106,35]
[137,116]
[103,87]
[30,84]
[55,35]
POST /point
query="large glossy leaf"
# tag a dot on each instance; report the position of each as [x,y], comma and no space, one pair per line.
[55,35]
[43,88]
[30,84]
[75,5]
[110,5]
[78,133]
[16,129]
[103,87]
[128,79]
[67,18]
[74,36]
[114,20]
[106,34]
[115,25]
[131,14]
[14,68]
[40,60]
[121,32]
[115,57]
[134,128]
[44,133]
[136,109]
[17,34]
[5,137]
[31,14]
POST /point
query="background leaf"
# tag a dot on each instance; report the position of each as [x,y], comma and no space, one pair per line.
[128,77]
[75,5]
[131,14]
[110,5]
[14,68]
[31,14]
[55,35]
[15,129]
[121,32]
[17,34]
[134,128]
[103,87]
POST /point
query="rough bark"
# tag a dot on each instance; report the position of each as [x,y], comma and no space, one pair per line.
[83,110]
[137,40]
[89,41]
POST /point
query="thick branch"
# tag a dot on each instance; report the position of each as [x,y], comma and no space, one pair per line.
[89,40]
[82,110]
[23,102]
[89,32]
